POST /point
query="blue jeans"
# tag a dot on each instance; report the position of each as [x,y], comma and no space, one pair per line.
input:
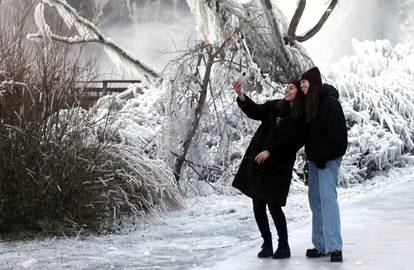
[326,224]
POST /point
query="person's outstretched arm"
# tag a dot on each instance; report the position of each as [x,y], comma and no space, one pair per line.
[248,106]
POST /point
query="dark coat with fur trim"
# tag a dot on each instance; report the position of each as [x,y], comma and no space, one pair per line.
[282,136]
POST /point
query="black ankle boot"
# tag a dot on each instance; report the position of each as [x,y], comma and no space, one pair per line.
[282,252]
[267,249]
[336,256]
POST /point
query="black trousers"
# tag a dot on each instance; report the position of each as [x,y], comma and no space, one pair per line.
[259,208]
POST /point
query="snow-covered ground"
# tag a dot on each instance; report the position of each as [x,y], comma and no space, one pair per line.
[377,232]
[210,229]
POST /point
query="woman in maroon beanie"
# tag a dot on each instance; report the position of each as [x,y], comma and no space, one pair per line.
[265,172]
[325,144]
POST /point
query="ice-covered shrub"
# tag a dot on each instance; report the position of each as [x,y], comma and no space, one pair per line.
[377,94]
[62,167]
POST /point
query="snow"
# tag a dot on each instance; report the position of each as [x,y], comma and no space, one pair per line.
[213,228]
[136,118]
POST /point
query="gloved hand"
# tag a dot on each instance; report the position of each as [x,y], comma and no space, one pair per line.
[320,165]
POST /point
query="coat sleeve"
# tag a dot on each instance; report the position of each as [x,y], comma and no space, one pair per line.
[253,110]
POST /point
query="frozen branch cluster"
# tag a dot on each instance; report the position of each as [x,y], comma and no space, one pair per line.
[262,30]
[377,93]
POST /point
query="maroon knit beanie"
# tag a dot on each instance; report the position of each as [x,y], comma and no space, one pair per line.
[295,83]
[313,76]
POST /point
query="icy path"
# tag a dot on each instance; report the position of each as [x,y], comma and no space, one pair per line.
[377,222]
[378,233]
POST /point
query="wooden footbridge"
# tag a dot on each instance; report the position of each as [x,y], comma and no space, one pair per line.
[98,89]
[93,90]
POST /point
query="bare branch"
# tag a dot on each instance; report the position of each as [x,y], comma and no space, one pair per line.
[291,34]
[67,40]
[88,33]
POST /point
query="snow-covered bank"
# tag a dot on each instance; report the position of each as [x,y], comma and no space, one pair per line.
[210,229]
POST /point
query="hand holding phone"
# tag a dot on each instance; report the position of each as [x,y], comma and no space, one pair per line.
[239,83]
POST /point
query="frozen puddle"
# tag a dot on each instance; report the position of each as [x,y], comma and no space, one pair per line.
[219,232]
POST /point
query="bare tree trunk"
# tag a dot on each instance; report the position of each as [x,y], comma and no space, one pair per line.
[197,115]
[198,112]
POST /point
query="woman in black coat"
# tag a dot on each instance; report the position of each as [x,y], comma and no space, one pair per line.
[265,172]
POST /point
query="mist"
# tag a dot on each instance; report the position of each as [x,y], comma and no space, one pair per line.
[155,32]
[155,41]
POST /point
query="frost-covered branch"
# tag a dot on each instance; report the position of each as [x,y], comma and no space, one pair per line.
[88,32]
[261,27]
[291,34]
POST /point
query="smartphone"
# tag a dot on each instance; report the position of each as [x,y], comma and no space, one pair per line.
[242,79]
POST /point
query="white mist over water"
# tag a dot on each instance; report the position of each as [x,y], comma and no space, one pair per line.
[157,31]
[154,41]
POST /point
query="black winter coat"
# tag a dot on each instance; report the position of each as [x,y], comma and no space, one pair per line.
[282,136]
[327,136]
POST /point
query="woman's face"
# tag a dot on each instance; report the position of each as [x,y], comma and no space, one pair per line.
[304,86]
[290,92]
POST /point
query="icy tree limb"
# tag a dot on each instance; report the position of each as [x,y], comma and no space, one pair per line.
[205,51]
[277,37]
[291,34]
[260,27]
[88,33]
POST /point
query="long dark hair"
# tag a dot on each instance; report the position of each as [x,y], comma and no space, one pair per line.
[298,104]
[312,102]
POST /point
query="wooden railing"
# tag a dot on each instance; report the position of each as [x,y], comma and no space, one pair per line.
[94,88]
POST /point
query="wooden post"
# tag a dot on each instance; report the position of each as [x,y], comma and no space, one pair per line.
[105,88]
